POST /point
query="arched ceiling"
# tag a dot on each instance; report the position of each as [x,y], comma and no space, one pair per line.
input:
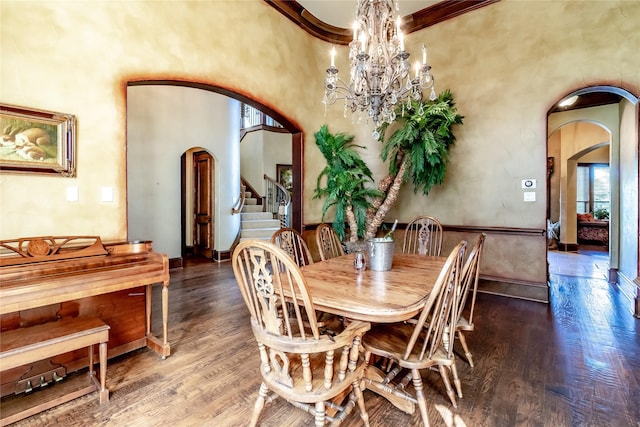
[331,20]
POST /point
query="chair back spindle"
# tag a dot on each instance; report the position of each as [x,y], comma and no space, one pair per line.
[328,242]
[423,236]
[469,280]
[293,243]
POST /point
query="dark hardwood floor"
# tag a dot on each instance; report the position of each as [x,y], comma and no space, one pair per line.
[573,362]
[588,262]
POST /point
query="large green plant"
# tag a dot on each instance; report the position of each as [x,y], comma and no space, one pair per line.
[417,150]
[346,175]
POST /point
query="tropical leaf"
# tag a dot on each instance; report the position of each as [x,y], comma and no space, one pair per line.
[425,135]
[345,176]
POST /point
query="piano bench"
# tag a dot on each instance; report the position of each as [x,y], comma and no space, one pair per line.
[28,345]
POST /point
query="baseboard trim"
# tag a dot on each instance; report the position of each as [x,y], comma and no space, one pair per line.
[221,256]
[530,291]
[176,262]
[630,289]
[567,247]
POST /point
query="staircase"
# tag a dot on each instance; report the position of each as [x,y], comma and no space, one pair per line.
[256,224]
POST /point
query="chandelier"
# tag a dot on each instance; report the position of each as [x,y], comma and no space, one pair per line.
[380,75]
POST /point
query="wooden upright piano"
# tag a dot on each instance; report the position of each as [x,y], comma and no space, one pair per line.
[44,279]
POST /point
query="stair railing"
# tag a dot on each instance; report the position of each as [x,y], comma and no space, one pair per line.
[278,201]
[240,204]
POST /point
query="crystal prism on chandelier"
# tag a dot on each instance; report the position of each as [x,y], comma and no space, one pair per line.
[380,75]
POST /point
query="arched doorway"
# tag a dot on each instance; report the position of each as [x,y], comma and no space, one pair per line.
[197,172]
[616,110]
[169,117]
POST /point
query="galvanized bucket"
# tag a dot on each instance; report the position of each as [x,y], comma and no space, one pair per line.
[380,251]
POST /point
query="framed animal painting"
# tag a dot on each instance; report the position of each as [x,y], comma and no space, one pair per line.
[37,141]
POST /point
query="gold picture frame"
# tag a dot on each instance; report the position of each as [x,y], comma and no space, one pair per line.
[37,141]
[285,176]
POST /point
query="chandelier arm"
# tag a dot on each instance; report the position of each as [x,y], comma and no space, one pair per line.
[380,74]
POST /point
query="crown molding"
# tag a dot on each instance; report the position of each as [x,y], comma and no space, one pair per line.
[442,11]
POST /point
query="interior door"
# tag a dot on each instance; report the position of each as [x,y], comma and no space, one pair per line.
[203,204]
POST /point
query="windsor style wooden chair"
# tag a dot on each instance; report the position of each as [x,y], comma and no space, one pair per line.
[293,243]
[470,274]
[299,363]
[423,236]
[329,245]
[423,344]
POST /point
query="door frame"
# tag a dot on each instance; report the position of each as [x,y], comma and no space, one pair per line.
[197,188]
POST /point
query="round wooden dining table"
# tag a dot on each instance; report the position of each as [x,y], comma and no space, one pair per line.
[375,296]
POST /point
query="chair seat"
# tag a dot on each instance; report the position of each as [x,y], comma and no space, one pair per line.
[390,341]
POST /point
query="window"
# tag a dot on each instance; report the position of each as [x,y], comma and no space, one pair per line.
[255,118]
[592,190]
[582,190]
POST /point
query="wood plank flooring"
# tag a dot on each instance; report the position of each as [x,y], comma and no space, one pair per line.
[589,262]
[573,362]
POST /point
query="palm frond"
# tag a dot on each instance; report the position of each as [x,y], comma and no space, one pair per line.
[425,135]
[345,178]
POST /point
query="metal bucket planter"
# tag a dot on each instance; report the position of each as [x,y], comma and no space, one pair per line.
[380,251]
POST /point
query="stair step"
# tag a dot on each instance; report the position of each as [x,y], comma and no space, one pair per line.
[250,201]
[252,208]
[260,223]
[247,216]
[257,233]
[268,239]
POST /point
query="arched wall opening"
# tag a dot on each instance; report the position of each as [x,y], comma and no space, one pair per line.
[614,109]
[165,119]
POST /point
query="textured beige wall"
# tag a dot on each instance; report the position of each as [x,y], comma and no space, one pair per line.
[599,155]
[76,57]
[506,64]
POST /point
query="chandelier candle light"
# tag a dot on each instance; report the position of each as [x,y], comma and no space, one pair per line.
[380,74]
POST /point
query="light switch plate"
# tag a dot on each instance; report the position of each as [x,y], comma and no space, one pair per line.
[106,194]
[529,196]
[72,194]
